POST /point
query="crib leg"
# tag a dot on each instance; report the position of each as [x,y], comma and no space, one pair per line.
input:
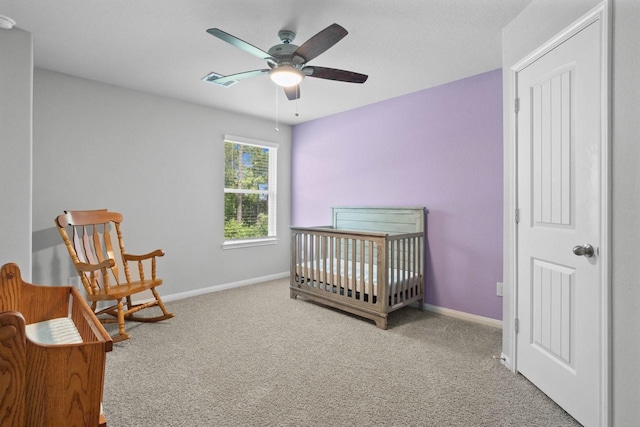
[292,294]
[381,322]
[421,305]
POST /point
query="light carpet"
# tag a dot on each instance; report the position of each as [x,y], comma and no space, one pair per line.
[251,356]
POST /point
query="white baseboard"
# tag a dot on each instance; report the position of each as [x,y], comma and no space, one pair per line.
[202,291]
[464,316]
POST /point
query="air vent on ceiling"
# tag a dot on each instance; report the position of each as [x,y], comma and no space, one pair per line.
[6,22]
[212,77]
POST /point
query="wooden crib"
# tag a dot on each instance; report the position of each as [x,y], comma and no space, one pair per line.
[52,355]
[369,262]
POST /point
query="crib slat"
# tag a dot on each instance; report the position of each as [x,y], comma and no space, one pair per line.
[420,257]
[342,269]
[319,268]
[300,252]
[305,243]
[354,265]
[362,261]
[314,260]
[322,256]
[395,272]
[369,285]
[331,253]
[414,278]
[347,267]
[398,283]
[339,262]
[302,255]
[293,263]
[314,263]
[405,267]
[391,276]
[310,259]
[416,266]
[325,255]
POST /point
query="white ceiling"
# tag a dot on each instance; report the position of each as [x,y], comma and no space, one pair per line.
[161,46]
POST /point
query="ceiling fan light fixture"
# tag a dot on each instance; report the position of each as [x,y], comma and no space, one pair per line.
[286,76]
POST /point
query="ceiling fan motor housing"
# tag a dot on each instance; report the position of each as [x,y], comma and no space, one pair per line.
[283,53]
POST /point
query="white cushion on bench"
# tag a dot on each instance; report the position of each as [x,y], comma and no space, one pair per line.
[55,331]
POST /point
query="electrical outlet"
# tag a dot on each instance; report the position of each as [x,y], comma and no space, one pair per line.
[499,289]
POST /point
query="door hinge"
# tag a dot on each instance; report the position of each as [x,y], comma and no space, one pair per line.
[516,325]
[516,105]
[517,215]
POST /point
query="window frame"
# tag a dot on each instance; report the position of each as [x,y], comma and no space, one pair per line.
[271,193]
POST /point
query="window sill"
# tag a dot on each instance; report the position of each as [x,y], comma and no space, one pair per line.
[248,243]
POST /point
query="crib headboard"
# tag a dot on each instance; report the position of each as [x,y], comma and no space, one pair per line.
[391,220]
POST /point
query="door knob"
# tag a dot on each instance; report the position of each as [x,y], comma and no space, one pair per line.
[583,250]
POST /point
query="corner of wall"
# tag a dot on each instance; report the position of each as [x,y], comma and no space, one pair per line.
[16,146]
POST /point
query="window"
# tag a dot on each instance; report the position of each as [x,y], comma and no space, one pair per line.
[249,191]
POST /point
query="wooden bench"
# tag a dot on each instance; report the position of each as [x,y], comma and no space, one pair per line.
[52,355]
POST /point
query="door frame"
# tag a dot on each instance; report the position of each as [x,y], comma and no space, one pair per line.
[599,13]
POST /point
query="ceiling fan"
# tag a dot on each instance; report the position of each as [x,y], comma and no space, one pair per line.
[288,62]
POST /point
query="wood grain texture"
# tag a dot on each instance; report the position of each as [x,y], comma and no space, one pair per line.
[12,369]
[48,385]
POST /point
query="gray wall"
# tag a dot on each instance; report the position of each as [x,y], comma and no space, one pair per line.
[16,71]
[541,20]
[159,162]
[625,282]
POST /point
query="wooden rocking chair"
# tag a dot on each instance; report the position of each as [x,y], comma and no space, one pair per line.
[94,257]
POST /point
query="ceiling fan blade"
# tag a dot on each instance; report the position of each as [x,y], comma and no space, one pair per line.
[241,44]
[319,43]
[333,74]
[292,92]
[221,80]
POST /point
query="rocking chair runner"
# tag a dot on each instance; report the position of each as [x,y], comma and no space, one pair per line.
[94,257]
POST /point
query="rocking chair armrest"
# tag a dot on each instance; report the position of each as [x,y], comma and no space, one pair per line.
[85,267]
[131,257]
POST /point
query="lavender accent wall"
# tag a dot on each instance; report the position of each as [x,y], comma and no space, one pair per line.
[440,148]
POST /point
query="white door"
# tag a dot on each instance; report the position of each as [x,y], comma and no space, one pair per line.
[559,280]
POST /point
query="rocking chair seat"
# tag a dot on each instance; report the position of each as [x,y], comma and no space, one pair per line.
[124,290]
